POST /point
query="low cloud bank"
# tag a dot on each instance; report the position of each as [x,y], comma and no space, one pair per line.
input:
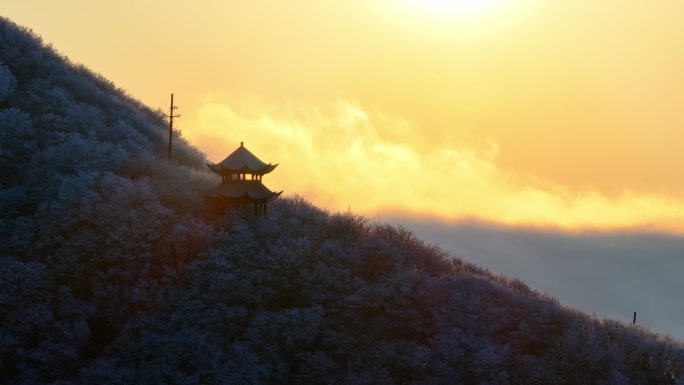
[612,274]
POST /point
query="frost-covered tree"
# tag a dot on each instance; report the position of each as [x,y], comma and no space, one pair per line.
[113,272]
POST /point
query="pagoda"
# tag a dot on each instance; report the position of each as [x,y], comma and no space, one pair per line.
[241,174]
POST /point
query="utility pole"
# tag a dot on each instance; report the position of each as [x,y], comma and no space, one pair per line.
[171,116]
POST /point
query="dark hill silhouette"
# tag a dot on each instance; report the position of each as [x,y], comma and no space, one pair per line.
[109,274]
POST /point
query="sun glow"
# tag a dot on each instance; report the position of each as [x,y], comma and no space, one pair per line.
[463,9]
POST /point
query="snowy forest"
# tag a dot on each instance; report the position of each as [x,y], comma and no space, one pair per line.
[112,271]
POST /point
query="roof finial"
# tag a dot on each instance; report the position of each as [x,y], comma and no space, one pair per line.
[242,144]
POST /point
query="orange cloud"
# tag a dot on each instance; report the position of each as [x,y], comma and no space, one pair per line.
[339,156]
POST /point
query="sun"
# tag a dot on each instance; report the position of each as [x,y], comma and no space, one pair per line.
[461,9]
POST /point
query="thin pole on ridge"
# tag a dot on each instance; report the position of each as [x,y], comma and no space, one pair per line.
[172,108]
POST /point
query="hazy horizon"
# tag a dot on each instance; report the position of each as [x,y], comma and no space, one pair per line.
[610,274]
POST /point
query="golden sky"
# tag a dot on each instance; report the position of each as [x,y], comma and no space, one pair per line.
[529,112]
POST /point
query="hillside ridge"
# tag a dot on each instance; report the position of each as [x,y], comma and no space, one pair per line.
[113,272]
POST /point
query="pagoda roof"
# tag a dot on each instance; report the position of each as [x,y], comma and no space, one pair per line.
[241,161]
[244,190]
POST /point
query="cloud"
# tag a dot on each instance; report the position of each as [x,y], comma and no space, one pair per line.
[611,274]
[341,155]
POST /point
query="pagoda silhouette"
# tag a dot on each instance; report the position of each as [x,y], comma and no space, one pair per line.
[236,188]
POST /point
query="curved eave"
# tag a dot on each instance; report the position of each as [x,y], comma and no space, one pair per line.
[214,167]
[246,198]
[275,195]
[242,190]
[225,171]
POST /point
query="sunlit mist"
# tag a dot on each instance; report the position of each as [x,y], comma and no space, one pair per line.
[343,157]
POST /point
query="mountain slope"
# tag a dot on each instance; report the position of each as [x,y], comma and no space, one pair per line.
[88,207]
[112,271]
